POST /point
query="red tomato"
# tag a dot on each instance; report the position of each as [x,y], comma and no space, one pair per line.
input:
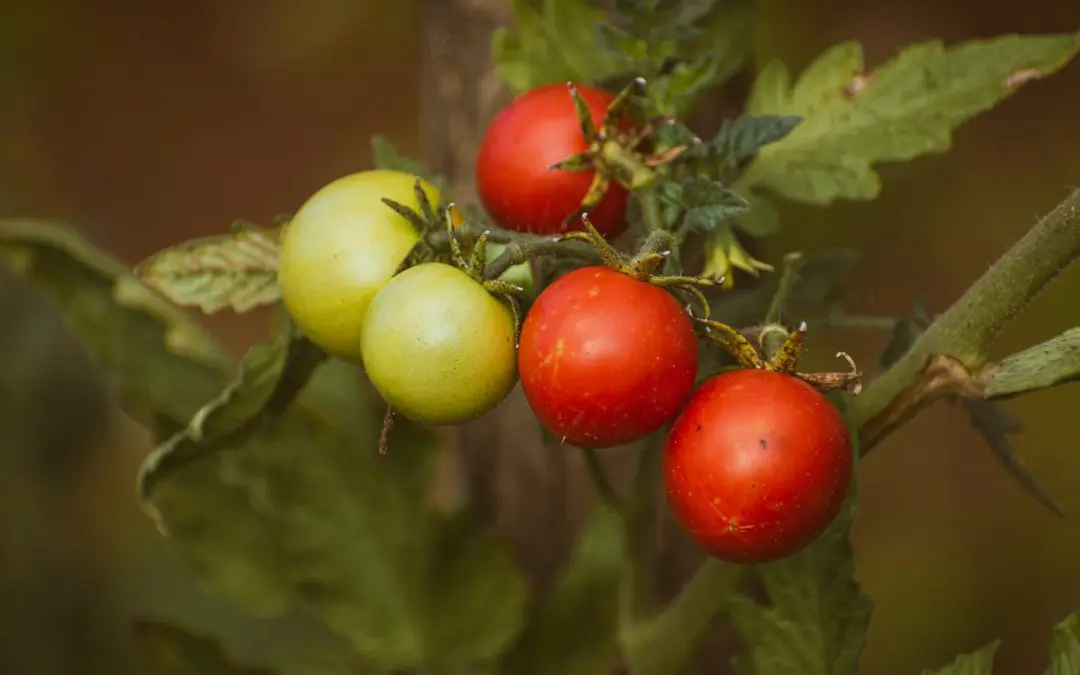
[515,184]
[606,359]
[757,465]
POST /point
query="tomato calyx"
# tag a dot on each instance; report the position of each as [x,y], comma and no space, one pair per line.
[475,265]
[642,265]
[786,358]
[614,153]
[429,216]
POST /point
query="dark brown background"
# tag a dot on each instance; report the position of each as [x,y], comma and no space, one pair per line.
[149,122]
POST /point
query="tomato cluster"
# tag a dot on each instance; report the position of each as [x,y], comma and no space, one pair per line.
[756,462]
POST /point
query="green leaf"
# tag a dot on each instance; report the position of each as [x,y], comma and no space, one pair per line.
[354,541]
[1065,647]
[270,376]
[980,662]
[166,368]
[165,363]
[727,32]
[385,155]
[371,560]
[166,649]
[995,426]
[762,217]
[554,41]
[477,594]
[1048,364]
[236,556]
[707,41]
[345,399]
[906,108]
[746,135]
[635,48]
[235,271]
[817,617]
[708,203]
[573,629]
[185,488]
[675,92]
[572,26]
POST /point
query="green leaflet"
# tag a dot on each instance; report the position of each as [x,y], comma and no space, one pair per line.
[1065,647]
[553,41]
[574,629]
[906,108]
[165,649]
[237,271]
[978,662]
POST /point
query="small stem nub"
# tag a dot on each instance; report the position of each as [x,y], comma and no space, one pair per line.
[387,427]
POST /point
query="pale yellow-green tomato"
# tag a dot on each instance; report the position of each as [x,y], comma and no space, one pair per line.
[339,249]
[438,347]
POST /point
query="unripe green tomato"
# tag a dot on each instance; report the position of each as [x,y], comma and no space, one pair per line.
[519,275]
[438,347]
[339,249]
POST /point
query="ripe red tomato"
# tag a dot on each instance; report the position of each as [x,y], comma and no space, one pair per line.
[757,465]
[516,187]
[605,359]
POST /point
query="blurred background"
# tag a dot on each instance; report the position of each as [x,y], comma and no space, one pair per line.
[145,123]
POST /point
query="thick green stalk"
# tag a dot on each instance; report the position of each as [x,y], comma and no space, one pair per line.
[966,331]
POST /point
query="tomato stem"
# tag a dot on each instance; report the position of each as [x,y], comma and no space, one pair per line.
[601,481]
[966,331]
[663,643]
[793,263]
[651,213]
[640,519]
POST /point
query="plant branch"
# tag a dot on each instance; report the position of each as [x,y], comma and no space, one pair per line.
[663,644]
[941,360]
[520,246]
[600,480]
[773,333]
[640,519]
[651,212]
[517,252]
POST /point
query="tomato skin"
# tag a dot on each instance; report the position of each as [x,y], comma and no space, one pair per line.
[438,347]
[339,249]
[606,359]
[515,184]
[757,465]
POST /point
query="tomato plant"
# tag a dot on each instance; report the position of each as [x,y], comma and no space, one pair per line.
[606,359]
[514,179]
[339,249]
[437,346]
[757,465]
